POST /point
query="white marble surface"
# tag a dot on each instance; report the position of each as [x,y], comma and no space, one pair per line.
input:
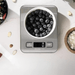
[59,63]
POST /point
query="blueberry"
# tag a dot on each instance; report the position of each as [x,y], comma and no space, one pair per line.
[44,30]
[43,16]
[47,21]
[50,16]
[36,35]
[41,11]
[47,14]
[36,11]
[36,30]
[37,18]
[38,23]
[47,32]
[41,20]
[39,26]
[29,15]
[29,28]
[43,23]
[47,18]
[32,13]
[34,25]
[48,25]
[44,12]
[44,26]
[41,35]
[49,29]
[44,34]
[31,19]
[40,15]
[41,29]
[33,33]
[51,22]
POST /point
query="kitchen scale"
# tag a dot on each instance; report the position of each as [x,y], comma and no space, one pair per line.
[30,44]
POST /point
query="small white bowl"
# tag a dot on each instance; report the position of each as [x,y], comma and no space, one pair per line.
[45,9]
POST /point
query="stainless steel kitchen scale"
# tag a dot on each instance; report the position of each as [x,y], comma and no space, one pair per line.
[30,44]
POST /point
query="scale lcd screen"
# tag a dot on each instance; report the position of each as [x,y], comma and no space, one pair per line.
[39,44]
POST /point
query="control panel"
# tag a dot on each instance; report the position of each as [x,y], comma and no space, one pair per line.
[39,45]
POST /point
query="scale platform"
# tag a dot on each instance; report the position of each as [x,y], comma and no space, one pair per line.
[29,44]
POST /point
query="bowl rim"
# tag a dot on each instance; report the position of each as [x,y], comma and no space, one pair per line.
[45,9]
[66,37]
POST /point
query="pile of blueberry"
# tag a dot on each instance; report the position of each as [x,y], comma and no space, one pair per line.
[3,10]
[39,23]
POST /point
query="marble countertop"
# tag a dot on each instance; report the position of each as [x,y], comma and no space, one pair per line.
[59,63]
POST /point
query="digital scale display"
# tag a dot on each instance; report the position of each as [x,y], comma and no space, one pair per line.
[39,44]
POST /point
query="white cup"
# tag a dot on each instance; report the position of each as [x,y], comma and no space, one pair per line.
[45,9]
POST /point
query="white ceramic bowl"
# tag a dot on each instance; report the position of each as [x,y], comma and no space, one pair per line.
[45,9]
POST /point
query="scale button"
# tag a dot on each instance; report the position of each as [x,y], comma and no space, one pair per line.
[29,44]
[49,45]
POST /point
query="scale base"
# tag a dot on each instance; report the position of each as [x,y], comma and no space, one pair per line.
[27,42]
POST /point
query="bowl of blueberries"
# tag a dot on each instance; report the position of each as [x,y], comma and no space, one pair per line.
[39,22]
